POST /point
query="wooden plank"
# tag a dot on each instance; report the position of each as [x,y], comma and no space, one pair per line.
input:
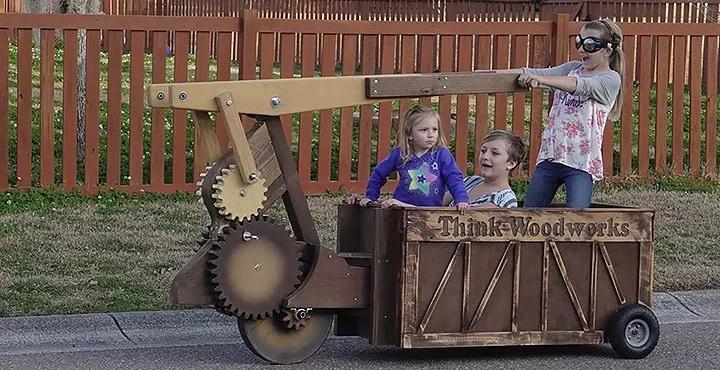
[368,66]
[645,274]
[466,284]
[441,287]
[491,287]
[695,101]
[501,61]
[387,66]
[4,130]
[626,124]
[516,288]
[325,140]
[663,77]
[202,74]
[426,59]
[593,285]
[409,284]
[678,112]
[482,62]
[441,224]
[287,66]
[349,58]
[611,272]
[545,285]
[646,67]
[157,128]
[462,118]
[331,282]
[179,133]
[210,147]
[294,199]
[97,21]
[519,59]
[444,84]
[536,107]
[24,108]
[569,286]
[236,133]
[447,53]
[223,74]
[308,61]
[114,106]
[92,111]
[711,130]
[70,117]
[137,108]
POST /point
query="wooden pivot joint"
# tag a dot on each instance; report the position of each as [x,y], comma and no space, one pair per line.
[246,164]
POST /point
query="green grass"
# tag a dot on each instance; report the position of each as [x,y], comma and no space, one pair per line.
[67,253]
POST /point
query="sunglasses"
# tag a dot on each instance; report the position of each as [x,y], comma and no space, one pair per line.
[592,44]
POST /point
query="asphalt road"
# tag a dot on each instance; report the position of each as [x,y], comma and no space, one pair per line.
[681,346]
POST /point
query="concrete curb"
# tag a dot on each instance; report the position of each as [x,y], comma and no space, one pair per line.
[63,333]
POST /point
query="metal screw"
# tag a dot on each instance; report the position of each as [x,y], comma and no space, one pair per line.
[275,101]
[247,236]
[258,267]
[161,95]
[355,299]
[242,193]
[252,176]
[228,102]
[375,81]
[182,96]
[375,91]
[444,87]
[347,274]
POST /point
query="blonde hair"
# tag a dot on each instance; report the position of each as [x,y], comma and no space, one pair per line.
[612,33]
[412,117]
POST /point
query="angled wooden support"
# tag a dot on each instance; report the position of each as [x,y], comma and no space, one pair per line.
[569,286]
[228,108]
[462,246]
[491,287]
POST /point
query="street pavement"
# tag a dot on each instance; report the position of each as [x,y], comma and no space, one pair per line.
[205,339]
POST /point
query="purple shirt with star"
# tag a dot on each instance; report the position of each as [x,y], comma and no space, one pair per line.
[422,179]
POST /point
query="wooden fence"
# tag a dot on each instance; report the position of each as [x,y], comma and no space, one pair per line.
[667,126]
[396,10]
[649,11]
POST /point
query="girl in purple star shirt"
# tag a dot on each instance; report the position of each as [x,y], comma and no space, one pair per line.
[424,164]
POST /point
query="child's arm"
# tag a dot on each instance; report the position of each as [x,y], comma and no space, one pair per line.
[453,177]
[379,175]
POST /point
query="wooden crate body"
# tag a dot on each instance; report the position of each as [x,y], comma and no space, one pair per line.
[499,276]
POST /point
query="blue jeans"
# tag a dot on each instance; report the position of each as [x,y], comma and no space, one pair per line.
[547,179]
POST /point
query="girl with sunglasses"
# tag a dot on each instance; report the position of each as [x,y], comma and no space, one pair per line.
[587,93]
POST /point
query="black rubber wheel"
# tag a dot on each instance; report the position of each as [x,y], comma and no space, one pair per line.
[633,331]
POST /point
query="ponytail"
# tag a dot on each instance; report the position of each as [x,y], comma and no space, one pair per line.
[611,31]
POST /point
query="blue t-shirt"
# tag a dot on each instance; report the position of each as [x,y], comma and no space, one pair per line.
[422,180]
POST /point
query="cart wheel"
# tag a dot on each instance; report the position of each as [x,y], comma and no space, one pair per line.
[273,341]
[633,331]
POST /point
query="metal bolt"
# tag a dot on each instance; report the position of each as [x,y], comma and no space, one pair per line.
[275,101]
[228,102]
[444,87]
[161,95]
[182,96]
[242,193]
[258,267]
[247,236]
[375,81]
[347,274]
[252,176]
[375,91]
[355,299]
[446,78]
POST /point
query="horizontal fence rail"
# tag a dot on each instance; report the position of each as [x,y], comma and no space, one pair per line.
[669,125]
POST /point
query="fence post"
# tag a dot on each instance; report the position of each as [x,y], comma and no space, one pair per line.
[247,47]
[560,38]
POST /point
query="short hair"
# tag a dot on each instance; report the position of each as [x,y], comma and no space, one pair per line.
[515,144]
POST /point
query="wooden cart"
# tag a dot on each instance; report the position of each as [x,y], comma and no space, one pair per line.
[411,278]
[493,277]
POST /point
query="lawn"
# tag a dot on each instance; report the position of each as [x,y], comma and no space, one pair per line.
[66,253]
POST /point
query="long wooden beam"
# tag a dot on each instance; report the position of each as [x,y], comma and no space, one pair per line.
[291,95]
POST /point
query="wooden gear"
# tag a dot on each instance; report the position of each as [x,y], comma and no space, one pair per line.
[373,283]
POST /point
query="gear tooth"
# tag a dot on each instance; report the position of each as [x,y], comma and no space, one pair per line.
[217,187]
[199,183]
[198,192]
[232,167]
[225,171]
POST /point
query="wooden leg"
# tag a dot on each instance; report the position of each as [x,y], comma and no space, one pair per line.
[295,202]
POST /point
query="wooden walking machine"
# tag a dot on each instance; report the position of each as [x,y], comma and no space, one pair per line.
[423,277]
